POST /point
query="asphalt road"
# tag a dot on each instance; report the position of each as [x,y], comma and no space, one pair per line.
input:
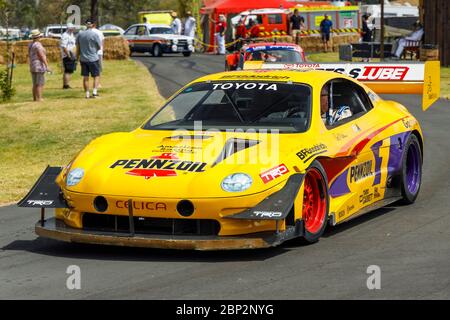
[411,244]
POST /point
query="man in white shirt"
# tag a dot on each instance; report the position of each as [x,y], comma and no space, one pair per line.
[189,25]
[68,53]
[100,52]
[176,24]
[417,35]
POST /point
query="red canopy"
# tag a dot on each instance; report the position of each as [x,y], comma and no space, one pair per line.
[237,6]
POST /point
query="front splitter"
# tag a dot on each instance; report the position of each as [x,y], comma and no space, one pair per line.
[58,230]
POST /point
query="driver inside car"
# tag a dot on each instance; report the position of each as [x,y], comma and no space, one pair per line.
[270,57]
[332,116]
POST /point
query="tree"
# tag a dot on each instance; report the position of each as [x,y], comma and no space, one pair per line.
[94,10]
[6,88]
[184,6]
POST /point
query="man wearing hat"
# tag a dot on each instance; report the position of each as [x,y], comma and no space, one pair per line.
[68,52]
[38,64]
[176,24]
[189,25]
[88,45]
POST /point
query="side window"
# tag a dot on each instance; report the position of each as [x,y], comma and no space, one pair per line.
[259,18]
[275,18]
[348,101]
[142,31]
[131,31]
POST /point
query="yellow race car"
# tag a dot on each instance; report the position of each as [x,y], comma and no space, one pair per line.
[238,160]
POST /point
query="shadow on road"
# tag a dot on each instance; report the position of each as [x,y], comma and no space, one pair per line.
[112,253]
[331,231]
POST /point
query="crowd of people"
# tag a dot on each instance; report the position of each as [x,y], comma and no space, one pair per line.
[86,47]
[188,28]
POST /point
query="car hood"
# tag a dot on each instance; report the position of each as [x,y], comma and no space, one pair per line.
[162,164]
[172,36]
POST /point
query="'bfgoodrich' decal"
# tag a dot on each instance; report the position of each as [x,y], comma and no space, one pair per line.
[308,153]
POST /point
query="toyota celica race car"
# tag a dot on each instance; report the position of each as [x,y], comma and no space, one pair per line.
[244,159]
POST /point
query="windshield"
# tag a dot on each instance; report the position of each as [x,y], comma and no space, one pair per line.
[237,105]
[160,30]
[57,30]
[274,56]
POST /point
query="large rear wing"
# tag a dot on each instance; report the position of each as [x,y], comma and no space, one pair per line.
[389,78]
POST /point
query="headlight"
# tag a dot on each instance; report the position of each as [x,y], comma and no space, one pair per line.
[189,41]
[237,182]
[175,41]
[74,177]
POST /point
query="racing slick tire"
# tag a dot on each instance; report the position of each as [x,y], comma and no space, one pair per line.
[157,50]
[187,53]
[411,177]
[315,202]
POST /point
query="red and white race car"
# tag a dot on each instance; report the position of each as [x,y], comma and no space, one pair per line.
[267,53]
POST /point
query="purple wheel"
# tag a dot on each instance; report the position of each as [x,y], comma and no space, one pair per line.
[412,170]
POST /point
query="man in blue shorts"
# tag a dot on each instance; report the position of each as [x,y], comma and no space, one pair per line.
[325,30]
[88,44]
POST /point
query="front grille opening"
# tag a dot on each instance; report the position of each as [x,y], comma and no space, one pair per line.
[114,223]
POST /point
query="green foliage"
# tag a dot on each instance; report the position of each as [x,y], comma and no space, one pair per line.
[39,14]
[7,91]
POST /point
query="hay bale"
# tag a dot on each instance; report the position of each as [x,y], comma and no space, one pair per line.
[116,48]
[20,48]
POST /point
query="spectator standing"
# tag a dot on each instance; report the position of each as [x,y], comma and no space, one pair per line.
[190,25]
[68,52]
[416,35]
[240,34]
[241,31]
[221,27]
[176,23]
[88,45]
[100,52]
[366,31]
[325,30]
[255,30]
[296,23]
[38,65]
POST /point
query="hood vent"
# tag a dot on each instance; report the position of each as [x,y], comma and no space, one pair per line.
[234,145]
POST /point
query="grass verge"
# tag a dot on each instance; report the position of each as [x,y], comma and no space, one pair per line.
[33,135]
